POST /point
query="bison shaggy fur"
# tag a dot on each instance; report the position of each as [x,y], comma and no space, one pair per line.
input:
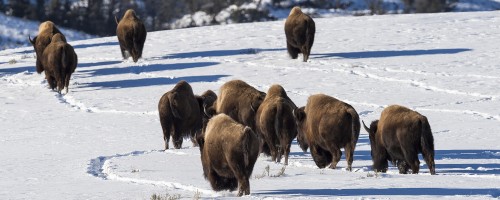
[181,113]
[399,136]
[59,61]
[228,151]
[276,124]
[46,31]
[238,100]
[328,124]
[131,34]
[299,32]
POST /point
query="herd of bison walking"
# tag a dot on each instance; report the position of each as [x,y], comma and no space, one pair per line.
[234,127]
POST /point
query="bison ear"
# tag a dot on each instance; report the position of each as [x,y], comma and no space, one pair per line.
[299,114]
[200,138]
[210,111]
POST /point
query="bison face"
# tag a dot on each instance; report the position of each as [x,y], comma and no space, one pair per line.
[378,153]
[300,119]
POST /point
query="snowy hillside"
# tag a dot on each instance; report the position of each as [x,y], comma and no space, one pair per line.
[14,32]
[103,139]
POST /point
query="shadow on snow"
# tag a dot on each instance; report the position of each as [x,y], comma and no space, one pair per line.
[95,64]
[219,53]
[147,68]
[131,83]
[494,192]
[81,46]
[15,70]
[383,54]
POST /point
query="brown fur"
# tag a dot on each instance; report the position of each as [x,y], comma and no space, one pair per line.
[399,136]
[46,30]
[276,124]
[207,99]
[180,114]
[131,34]
[228,151]
[328,124]
[59,61]
[299,32]
[238,100]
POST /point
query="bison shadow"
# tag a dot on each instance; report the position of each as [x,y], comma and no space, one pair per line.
[219,53]
[145,82]
[467,168]
[15,70]
[147,68]
[383,54]
[82,46]
[95,64]
[493,192]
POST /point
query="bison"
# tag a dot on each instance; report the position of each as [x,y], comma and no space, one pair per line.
[131,34]
[399,136]
[59,61]
[276,124]
[46,30]
[238,100]
[299,32]
[228,151]
[181,113]
[328,124]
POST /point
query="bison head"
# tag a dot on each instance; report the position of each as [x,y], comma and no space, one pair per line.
[300,118]
[378,153]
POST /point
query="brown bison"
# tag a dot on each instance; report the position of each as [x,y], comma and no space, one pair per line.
[238,100]
[328,124]
[276,124]
[299,31]
[46,30]
[399,136]
[229,151]
[59,61]
[181,113]
[131,34]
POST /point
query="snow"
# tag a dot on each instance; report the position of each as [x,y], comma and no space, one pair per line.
[14,32]
[103,139]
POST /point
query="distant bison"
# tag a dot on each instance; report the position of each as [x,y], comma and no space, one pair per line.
[131,34]
[399,136]
[228,151]
[238,100]
[276,124]
[328,124]
[59,61]
[299,31]
[46,30]
[181,113]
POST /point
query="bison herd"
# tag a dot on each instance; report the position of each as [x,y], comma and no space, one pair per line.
[241,122]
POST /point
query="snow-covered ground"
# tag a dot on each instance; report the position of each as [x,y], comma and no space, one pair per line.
[14,32]
[103,139]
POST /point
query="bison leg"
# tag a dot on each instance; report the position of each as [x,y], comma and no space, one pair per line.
[429,160]
[125,54]
[177,137]
[166,126]
[305,53]
[286,150]
[66,82]
[336,155]
[52,82]
[411,157]
[219,183]
[292,51]
[244,186]
[349,152]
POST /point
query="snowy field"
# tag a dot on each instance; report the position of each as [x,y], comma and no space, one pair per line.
[103,139]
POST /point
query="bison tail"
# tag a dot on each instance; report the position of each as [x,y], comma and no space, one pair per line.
[427,142]
[246,140]
[355,126]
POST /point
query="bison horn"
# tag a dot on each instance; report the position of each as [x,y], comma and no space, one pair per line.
[116,20]
[366,128]
[31,41]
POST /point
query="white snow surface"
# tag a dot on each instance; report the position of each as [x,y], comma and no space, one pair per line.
[103,139]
